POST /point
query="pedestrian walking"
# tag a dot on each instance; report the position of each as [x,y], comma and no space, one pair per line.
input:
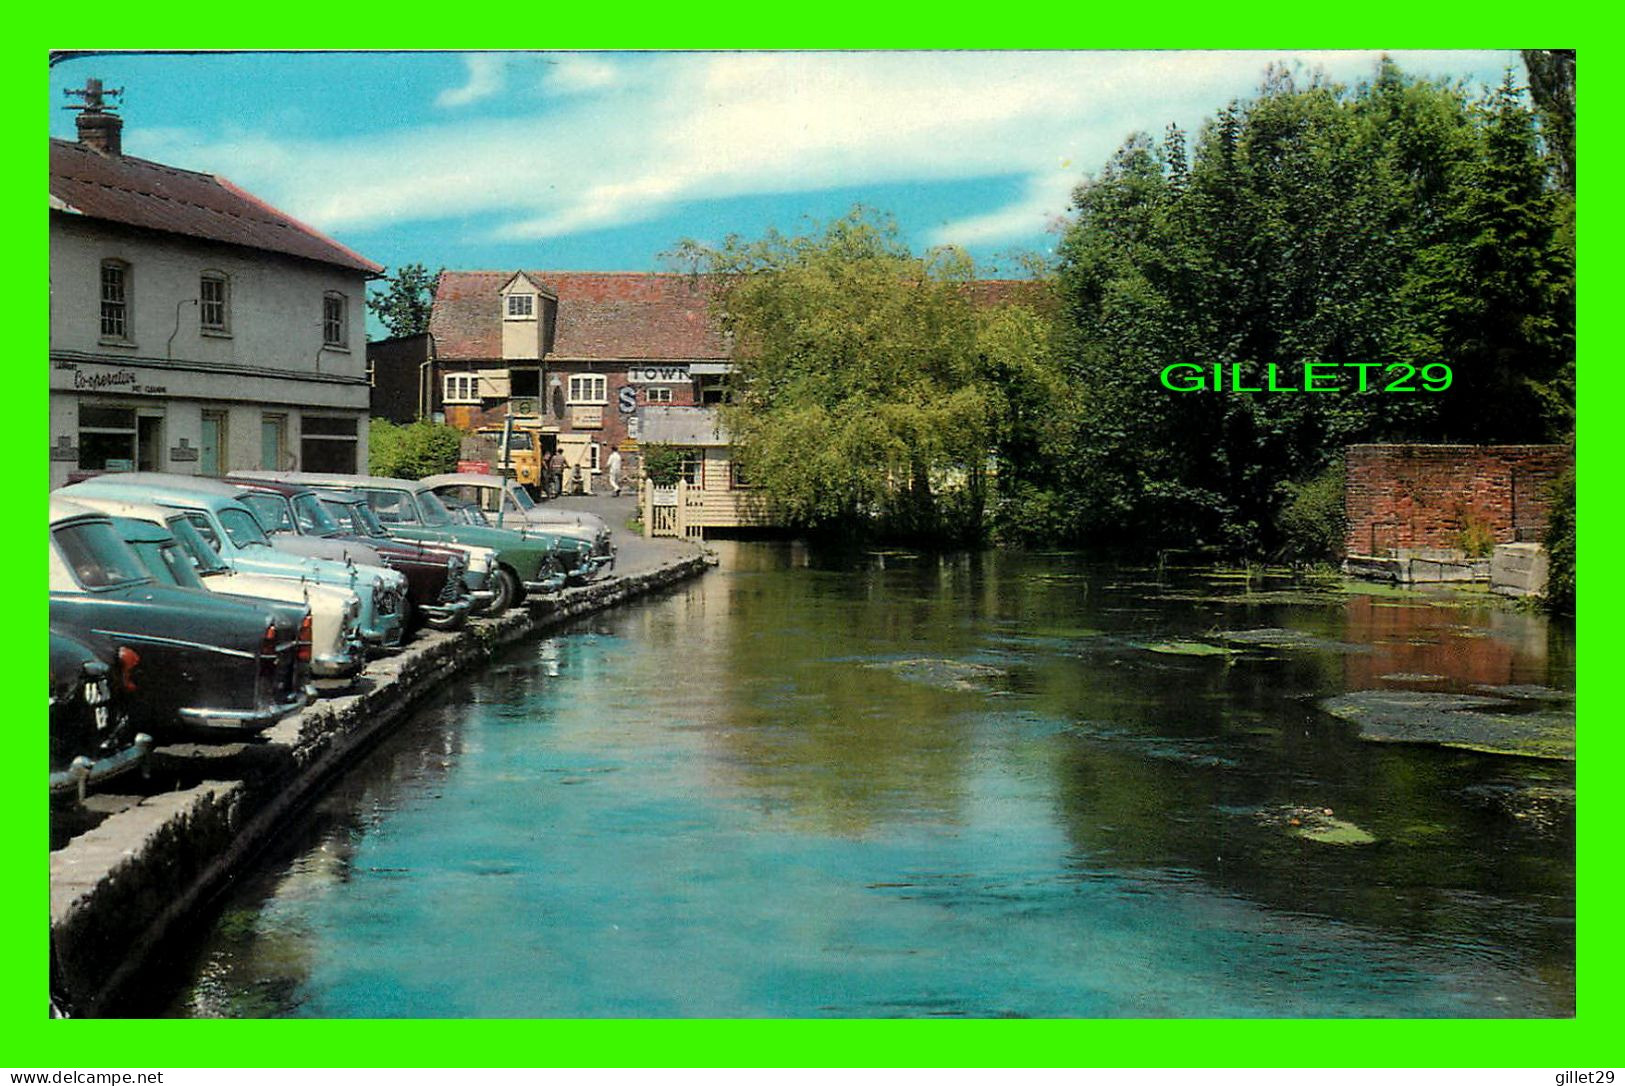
[555,471]
[615,471]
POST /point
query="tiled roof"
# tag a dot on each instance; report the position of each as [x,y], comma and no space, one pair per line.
[610,315]
[133,191]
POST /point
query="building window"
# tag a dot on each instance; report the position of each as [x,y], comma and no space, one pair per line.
[335,323]
[328,443]
[593,449]
[657,395]
[694,468]
[116,300]
[736,477]
[588,388]
[214,307]
[713,391]
[106,438]
[462,388]
[521,306]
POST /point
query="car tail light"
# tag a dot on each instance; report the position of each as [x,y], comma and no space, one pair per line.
[268,658]
[305,640]
[128,661]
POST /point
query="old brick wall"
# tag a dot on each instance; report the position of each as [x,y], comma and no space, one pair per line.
[1425,496]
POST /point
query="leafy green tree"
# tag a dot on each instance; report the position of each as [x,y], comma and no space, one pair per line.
[404,304]
[412,451]
[1398,222]
[871,392]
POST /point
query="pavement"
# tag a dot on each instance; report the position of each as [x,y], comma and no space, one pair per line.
[633,553]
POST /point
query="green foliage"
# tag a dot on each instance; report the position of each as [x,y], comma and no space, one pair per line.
[1560,546]
[1398,221]
[872,390]
[1476,538]
[403,305]
[1313,521]
[662,464]
[413,451]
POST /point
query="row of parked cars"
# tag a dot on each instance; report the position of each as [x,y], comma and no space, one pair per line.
[191,606]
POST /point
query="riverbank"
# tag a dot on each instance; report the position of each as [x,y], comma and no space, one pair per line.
[126,885]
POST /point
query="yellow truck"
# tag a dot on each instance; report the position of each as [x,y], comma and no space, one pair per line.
[525,449]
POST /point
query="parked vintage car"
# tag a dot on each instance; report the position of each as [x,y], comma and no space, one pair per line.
[466,512]
[92,737]
[528,559]
[338,652]
[507,504]
[189,660]
[234,533]
[434,575]
[354,514]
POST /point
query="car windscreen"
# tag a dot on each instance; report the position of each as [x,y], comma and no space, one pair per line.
[523,499]
[241,526]
[97,556]
[391,506]
[198,549]
[271,510]
[314,519]
[434,514]
[167,563]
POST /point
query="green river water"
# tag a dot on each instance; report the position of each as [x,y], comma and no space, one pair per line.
[881,784]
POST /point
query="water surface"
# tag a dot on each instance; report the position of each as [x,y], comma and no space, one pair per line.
[885,784]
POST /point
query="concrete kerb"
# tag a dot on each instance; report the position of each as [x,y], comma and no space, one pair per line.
[119,891]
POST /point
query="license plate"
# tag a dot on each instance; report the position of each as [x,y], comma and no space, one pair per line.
[98,693]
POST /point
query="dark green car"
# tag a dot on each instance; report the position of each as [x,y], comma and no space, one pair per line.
[528,559]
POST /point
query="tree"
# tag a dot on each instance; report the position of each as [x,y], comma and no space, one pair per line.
[865,381]
[413,451]
[404,305]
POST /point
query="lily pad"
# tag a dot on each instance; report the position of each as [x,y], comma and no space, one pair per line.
[943,674]
[1179,648]
[1317,824]
[1490,725]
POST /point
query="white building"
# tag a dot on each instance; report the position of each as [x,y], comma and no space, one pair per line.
[194,328]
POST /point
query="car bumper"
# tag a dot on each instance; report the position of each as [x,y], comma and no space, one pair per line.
[447,616]
[551,583]
[256,719]
[340,665]
[85,772]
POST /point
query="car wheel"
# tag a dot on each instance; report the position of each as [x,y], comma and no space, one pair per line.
[506,586]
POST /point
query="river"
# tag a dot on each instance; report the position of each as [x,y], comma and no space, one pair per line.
[883,784]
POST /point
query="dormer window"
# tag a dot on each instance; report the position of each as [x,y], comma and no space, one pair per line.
[521,307]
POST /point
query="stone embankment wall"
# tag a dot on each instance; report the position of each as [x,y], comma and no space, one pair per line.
[1425,498]
[124,889]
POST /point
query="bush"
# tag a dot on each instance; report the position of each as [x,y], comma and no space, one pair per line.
[1312,524]
[413,451]
[1476,537]
[1560,549]
[662,464]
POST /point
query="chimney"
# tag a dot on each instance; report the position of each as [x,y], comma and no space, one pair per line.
[100,129]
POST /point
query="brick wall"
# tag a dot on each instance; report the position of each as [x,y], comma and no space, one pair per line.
[1424,496]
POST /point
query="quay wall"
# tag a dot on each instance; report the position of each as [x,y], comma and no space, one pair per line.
[123,891]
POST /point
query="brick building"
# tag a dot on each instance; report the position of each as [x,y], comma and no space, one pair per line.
[1413,498]
[580,354]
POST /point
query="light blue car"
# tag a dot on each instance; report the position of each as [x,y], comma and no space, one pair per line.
[233,531]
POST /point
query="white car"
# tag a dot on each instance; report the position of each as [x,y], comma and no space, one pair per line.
[337,650]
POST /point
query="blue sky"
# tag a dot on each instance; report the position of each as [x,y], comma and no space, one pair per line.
[602,161]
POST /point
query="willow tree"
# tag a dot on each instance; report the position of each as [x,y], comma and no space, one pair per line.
[864,395]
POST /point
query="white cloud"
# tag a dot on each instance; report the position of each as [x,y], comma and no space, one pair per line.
[579,73]
[485,79]
[626,138]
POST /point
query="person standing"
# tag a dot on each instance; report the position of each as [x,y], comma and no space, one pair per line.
[615,471]
[555,469]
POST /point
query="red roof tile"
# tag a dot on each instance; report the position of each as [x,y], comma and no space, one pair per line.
[608,315]
[133,191]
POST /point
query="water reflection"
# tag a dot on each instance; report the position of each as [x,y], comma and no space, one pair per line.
[871,783]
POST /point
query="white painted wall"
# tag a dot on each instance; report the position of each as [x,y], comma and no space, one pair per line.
[275,324]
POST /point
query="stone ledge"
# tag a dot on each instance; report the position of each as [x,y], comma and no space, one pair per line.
[119,890]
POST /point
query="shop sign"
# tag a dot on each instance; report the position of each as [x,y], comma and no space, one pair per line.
[657,375]
[587,418]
